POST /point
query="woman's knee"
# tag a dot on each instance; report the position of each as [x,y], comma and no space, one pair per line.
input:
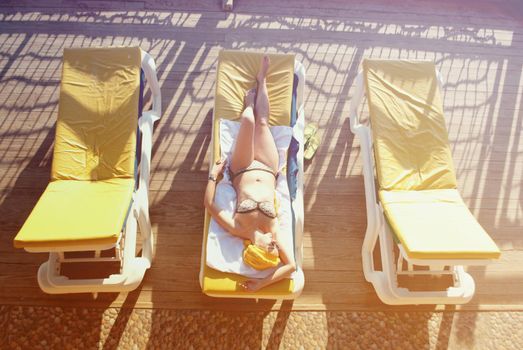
[248,117]
[262,120]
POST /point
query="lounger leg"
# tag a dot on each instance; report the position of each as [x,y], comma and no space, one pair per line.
[146,232]
[227,5]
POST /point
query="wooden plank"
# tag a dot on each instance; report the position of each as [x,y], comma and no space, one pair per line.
[478,50]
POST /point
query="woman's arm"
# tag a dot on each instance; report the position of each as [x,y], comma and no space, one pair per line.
[220,216]
[208,200]
[280,273]
[275,228]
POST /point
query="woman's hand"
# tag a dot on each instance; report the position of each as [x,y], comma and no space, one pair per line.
[253,285]
[218,167]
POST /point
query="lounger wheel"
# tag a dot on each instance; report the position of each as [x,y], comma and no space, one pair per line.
[43,282]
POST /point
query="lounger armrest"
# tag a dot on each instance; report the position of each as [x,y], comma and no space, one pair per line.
[355,103]
[440,79]
[149,68]
[146,125]
[147,120]
[363,132]
[299,70]
[373,209]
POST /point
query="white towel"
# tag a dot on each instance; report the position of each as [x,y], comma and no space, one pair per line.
[224,251]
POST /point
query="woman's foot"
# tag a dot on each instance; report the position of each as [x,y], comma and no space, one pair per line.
[264,68]
[250,97]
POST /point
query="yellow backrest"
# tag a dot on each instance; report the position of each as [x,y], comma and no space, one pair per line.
[406,116]
[97,114]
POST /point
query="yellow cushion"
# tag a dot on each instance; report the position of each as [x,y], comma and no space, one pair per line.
[71,213]
[410,137]
[235,74]
[97,114]
[436,224]
[217,282]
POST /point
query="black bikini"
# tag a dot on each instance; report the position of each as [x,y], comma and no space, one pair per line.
[255,165]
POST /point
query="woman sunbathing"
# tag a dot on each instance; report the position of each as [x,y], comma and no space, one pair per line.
[253,170]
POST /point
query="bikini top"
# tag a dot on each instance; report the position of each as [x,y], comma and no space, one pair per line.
[266,207]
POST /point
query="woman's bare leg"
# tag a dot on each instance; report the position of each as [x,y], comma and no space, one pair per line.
[243,153]
[265,149]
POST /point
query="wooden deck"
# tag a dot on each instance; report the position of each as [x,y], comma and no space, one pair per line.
[478,48]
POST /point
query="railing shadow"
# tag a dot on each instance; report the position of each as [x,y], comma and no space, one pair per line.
[479,62]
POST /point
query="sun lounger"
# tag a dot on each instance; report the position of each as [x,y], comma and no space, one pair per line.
[416,206]
[98,193]
[235,74]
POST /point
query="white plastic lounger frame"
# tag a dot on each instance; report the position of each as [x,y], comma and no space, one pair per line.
[385,282]
[132,268]
[297,205]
